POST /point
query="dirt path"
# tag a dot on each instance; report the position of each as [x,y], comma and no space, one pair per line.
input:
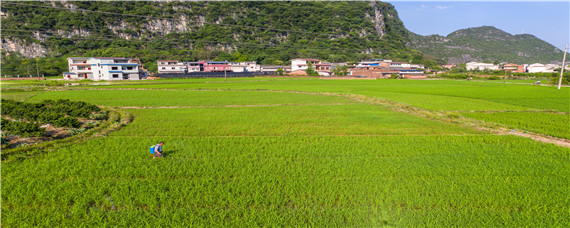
[541,138]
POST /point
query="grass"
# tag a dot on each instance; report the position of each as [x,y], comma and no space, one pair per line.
[308,160]
[552,124]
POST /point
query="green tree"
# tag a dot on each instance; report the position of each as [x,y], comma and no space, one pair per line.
[310,71]
[340,71]
[280,71]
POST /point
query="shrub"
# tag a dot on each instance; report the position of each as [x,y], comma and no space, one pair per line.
[67,122]
[49,117]
[22,128]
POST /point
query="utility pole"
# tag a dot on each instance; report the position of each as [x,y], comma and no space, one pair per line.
[563,65]
[225,73]
[505,79]
[37,69]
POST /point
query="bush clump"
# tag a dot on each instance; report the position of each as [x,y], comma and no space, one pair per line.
[22,128]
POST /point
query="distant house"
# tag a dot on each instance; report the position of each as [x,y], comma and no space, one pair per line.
[194,67]
[245,67]
[371,71]
[273,68]
[102,68]
[374,63]
[170,66]
[412,74]
[302,64]
[448,66]
[215,66]
[416,66]
[535,68]
[481,66]
[511,67]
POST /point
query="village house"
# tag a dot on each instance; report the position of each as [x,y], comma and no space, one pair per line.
[194,67]
[245,67]
[274,68]
[371,71]
[171,66]
[214,66]
[387,68]
[298,66]
[481,66]
[102,68]
[449,66]
[536,68]
[510,67]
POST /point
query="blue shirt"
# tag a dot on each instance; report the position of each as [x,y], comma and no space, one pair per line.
[158,148]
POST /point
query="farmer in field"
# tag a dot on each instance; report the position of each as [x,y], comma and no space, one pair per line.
[156,150]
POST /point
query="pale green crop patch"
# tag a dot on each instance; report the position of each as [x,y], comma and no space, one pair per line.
[347,119]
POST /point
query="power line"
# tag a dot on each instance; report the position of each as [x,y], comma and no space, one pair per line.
[166,18]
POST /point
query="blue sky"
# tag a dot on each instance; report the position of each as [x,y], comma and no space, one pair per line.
[547,20]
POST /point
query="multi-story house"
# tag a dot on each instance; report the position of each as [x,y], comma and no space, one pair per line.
[481,66]
[213,66]
[245,67]
[170,66]
[300,65]
[194,66]
[102,68]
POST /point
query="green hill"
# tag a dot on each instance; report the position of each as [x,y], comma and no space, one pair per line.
[486,43]
[266,32]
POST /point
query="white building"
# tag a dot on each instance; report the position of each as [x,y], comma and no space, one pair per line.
[245,67]
[302,64]
[170,66]
[481,66]
[102,68]
[538,68]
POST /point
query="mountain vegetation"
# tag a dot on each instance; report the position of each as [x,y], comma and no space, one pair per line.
[265,32]
[488,44]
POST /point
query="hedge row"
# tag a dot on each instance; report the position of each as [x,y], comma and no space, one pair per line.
[60,113]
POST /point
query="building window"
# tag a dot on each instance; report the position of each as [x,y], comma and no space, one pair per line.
[129,68]
[115,75]
[164,68]
[114,68]
[173,68]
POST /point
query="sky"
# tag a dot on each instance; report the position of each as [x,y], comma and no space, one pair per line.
[547,20]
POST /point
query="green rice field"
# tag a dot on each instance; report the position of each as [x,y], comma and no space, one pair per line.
[303,152]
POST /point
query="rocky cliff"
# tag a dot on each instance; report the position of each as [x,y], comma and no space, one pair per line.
[345,28]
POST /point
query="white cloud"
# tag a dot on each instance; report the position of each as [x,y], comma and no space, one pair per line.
[443,7]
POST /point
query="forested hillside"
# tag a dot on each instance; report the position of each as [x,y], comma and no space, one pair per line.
[487,43]
[266,32]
